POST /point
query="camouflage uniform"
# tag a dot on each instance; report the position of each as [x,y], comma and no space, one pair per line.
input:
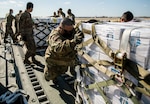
[71,16]
[9,30]
[17,17]
[60,54]
[26,30]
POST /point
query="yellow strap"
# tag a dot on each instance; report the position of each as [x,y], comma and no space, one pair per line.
[101,84]
[100,43]
[86,31]
[129,94]
[143,91]
[102,94]
[98,87]
[108,83]
[83,44]
[95,64]
[86,65]
[104,62]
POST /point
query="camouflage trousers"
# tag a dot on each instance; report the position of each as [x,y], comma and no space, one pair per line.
[31,47]
[52,72]
[56,67]
[10,32]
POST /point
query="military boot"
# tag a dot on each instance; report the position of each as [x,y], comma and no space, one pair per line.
[35,61]
[26,61]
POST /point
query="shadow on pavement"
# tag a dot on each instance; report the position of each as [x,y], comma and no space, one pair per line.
[66,93]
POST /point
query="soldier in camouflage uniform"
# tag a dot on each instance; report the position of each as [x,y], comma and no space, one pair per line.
[17,18]
[9,29]
[26,30]
[61,52]
[71,16]
[61,13]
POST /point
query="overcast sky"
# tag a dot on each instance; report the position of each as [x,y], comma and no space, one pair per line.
[79,7]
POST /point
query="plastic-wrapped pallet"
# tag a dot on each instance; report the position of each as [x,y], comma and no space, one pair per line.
[43,27]
[111,33]
[115,94]
[139,42]
[137,48]
[38,20]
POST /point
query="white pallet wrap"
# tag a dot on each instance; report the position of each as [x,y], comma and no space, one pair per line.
[137,47]
[41,19]
[137,24]
[113,92]
[55,19]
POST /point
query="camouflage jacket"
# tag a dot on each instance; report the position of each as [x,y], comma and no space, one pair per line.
[9,20]
[26,23]
[17,17]
[60,49]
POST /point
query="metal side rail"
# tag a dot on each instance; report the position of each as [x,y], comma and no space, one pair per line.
[28,80]
[7,73]
[42,97]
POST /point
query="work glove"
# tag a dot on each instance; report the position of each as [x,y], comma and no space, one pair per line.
[78,37]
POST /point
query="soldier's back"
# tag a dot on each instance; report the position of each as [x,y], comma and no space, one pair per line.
[9,20]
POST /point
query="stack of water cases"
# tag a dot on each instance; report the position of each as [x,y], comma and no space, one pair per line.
[139,42]
[43,27]
[137,49]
